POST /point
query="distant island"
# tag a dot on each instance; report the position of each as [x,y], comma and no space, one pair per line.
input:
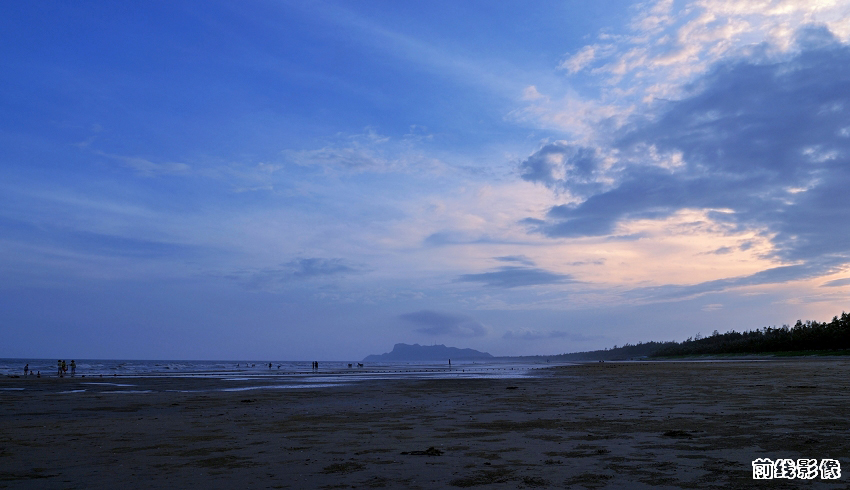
[416,352]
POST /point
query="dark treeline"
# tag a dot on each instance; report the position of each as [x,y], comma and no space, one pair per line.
[808,336]
[627,351]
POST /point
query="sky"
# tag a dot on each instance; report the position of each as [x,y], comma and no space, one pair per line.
[321,180]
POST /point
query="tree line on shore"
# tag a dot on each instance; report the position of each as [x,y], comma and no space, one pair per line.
[803,336]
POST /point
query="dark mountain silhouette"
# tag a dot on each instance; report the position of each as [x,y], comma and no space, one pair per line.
[416,352]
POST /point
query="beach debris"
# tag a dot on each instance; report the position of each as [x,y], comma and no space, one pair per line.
[376,482]
[512,387]
[485,477]
[679,434]
[347,467]
[589,480]
[535,481]
[247,400]
[431,451]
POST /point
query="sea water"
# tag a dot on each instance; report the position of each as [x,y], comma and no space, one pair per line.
[127,376]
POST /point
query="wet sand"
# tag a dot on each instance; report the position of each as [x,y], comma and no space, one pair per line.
[598,425]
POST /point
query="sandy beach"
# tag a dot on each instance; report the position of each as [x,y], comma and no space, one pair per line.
[596,425]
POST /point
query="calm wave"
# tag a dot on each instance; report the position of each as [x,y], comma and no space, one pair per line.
[127,376]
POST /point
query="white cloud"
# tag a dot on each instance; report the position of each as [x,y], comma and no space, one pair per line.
[531,93]
[666,47]
[147,168]
[581,59]
[370,151]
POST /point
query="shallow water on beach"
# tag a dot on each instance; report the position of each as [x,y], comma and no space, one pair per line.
[134,376]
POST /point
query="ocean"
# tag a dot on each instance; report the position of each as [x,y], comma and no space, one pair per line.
[116,376]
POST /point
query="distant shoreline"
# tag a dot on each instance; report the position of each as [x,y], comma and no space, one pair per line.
[838,353]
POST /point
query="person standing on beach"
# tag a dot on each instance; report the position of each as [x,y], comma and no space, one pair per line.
[26,369]
[59,368]
[64,368]
[73,367]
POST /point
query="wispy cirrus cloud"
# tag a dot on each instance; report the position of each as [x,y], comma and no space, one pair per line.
[147,168]
[516,276]
[775,275]
[519,259]
[526,334]
[369,151]
[436,323]
[837,283]
[297,270]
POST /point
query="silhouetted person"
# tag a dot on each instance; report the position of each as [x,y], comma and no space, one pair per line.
[26,369]
[73,367]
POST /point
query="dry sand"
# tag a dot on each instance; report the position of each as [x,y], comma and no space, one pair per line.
[600,425]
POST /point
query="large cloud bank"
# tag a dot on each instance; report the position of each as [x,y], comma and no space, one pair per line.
[759,143]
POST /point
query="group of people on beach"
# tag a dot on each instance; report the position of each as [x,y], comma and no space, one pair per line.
[28,371]
[62,368]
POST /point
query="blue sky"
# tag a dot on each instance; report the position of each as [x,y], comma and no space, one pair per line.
[322,180]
